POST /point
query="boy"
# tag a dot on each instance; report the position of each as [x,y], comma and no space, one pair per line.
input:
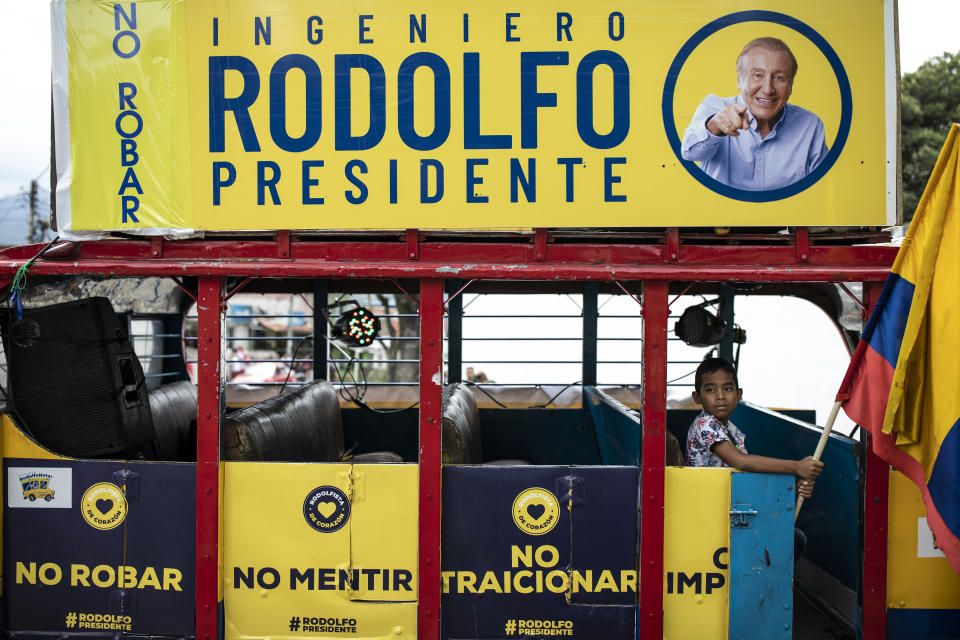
[714,441]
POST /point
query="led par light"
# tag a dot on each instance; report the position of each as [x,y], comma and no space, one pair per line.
[356,327]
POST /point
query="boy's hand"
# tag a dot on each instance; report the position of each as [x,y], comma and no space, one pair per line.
[805,488]
[808,468]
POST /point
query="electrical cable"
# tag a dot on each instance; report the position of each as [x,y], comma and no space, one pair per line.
[686,375]
[484,392]
[357,396]
[20,278]
[359,386]
[364,405]
[557,395]
[293,360]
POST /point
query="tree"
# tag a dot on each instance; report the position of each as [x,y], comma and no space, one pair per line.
[929,103]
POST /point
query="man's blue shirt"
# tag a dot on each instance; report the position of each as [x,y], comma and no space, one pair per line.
[792,149]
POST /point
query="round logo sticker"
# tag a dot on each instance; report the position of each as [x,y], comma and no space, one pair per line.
[326,509]
[103,506]
[536,511]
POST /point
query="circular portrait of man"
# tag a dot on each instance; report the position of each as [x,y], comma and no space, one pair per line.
[740,115]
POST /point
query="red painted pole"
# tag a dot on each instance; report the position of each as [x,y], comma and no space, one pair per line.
[431,385]
[875,501]
[655,313]
[209,332]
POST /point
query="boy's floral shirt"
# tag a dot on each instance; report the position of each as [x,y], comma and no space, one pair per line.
[705,432]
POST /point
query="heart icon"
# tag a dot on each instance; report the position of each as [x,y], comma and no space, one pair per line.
[326,509]
[535,511]
[104,506]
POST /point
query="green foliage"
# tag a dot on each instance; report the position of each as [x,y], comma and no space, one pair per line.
[929,103]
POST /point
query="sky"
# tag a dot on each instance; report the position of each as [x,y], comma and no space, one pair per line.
[927,29]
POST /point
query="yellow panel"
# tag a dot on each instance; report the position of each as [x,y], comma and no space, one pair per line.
[385,500]
[197,169]
[16,444]
[914,582]
[695,551]
[220,524]
[139,101]
[284,577]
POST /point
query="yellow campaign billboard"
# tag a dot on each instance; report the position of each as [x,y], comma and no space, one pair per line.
[231,114]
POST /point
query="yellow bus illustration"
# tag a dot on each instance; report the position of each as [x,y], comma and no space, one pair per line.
[34,487]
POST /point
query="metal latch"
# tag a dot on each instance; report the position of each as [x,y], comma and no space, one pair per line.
[740,514]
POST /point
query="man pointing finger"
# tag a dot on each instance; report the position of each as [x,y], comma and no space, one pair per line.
[729,120]
[757,141]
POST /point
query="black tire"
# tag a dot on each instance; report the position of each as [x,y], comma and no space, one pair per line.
[33,498]
[48,498]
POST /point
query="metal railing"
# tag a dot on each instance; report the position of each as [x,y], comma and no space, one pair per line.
[377,364]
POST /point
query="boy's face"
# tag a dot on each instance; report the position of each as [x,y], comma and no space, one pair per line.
[718,394]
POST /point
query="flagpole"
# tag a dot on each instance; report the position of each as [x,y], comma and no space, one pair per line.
[820,447]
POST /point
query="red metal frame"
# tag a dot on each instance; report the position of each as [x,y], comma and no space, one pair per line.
[802,243]
[283,244]
[673,243]
[412,237]
[414,255]
[458,259]
[488,271]
[209,333]
[431,385]
[539,244]
[875,503]
[655,313]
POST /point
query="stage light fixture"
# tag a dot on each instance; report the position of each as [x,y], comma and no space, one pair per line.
[356,327]
[698,327]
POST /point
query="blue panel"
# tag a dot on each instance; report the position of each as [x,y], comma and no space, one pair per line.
[68,569]
[618,429]
[497,576]
[761,557]
[923,624]
[600,499]
[830,519]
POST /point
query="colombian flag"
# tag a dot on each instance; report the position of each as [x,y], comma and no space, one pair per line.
[903,384]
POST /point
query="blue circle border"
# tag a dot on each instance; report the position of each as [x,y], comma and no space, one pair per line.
[846,105]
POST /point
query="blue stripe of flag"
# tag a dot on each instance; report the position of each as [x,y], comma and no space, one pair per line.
[945,479]
[884,330]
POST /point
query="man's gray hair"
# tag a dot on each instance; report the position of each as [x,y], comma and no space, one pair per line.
[770,44]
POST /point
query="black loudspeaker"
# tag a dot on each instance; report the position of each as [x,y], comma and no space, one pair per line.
[75,381]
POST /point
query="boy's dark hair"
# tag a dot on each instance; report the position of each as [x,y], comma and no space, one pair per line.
[712,365]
